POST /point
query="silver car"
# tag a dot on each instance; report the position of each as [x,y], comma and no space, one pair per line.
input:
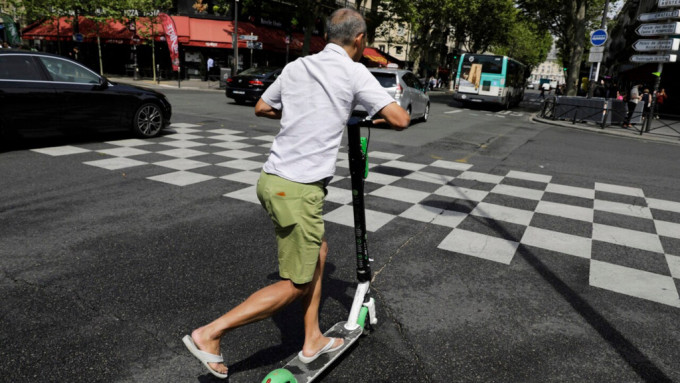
[406,89]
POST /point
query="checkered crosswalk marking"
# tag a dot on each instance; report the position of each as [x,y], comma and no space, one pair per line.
[490,216]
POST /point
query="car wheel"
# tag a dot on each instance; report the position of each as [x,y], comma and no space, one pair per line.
[427,112]
[240,101]
[148,120]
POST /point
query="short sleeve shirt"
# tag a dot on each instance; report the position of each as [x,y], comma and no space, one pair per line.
[634,95]
[316,95]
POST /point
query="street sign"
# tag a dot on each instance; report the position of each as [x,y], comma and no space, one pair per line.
[658,29]
[669,3]
[254,45]
[78,37]
[597,50]
[595,57]
[653,58]
[659,16]
[598,37]
[656,45]
[248,37]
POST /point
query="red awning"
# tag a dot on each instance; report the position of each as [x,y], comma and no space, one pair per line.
[193,32]
[111,32]
[374,57]
[218,34]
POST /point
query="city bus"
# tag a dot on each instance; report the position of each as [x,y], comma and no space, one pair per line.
[490,79]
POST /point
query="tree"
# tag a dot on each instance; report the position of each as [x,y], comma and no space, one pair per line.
[150,9]
[526,43]
[479,24]
[568,21]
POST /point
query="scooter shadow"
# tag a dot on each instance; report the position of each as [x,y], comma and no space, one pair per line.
[289,322]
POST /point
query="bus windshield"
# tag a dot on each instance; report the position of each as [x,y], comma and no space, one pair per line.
[490,64]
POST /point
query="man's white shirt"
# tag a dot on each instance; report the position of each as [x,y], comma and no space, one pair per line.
[316,95]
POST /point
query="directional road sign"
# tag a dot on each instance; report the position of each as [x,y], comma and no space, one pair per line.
[598,37]
[653,58]
[656,45]
[659,16]
[669,3]
[658,29]
[248,37]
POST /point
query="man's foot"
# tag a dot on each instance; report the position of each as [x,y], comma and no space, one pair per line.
[330,345]
[211,346]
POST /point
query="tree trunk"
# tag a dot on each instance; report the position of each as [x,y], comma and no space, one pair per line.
[578,32]
[309,24]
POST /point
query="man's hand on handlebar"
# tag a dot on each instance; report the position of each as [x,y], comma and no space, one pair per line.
[394,115]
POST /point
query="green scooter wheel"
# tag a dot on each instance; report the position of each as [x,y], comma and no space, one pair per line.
[363,314]
[280,375]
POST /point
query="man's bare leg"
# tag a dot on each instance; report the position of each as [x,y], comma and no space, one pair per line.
[260,305]
[314,339]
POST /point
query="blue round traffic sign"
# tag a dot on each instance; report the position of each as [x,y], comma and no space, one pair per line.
[598,37]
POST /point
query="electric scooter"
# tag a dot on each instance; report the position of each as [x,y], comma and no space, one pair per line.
[363,306]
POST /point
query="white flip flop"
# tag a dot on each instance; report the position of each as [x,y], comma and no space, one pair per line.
[204,357]
[325,349]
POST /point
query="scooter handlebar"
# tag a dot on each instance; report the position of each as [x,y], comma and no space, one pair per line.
[358,122]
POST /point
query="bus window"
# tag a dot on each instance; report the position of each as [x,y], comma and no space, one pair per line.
[490,64]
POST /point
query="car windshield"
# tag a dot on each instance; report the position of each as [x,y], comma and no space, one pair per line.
[257,71]
[387,80]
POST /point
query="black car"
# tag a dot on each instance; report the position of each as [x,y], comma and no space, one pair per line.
[251,83]
[41,91]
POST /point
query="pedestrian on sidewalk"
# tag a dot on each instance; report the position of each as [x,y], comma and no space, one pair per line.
[293,180]
[660,98]
[633,99]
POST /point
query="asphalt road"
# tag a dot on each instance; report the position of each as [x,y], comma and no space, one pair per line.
[103,270]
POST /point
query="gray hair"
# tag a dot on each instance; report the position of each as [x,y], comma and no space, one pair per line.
[344,25]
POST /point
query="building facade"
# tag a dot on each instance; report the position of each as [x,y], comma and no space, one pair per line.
[550,69]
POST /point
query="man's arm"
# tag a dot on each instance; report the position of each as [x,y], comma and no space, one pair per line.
[394,115]
[262,109]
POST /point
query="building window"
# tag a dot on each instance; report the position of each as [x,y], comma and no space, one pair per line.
[381,47]
[399,49]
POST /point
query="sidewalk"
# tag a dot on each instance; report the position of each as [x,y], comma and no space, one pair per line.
[191,84]
[194,84]
[657,133]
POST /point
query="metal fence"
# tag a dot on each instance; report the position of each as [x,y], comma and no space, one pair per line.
[609,112]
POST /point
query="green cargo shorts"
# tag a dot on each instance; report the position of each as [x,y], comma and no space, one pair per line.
[297,212]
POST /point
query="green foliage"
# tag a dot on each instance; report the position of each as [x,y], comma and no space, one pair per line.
[570,21]
[527,44]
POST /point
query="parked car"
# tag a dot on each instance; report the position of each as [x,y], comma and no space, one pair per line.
[530,85]
[41,91]
[251,83]
[406,89]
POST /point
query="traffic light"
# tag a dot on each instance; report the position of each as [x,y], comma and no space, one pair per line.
[565,69]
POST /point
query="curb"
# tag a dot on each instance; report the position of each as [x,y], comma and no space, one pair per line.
[185,85]
[618,133]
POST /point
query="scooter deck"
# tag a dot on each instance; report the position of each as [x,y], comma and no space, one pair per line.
[306,372]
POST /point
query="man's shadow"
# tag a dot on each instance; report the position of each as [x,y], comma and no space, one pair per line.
[290,324]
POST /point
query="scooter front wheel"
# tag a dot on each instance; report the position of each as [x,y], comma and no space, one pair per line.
[280,375]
